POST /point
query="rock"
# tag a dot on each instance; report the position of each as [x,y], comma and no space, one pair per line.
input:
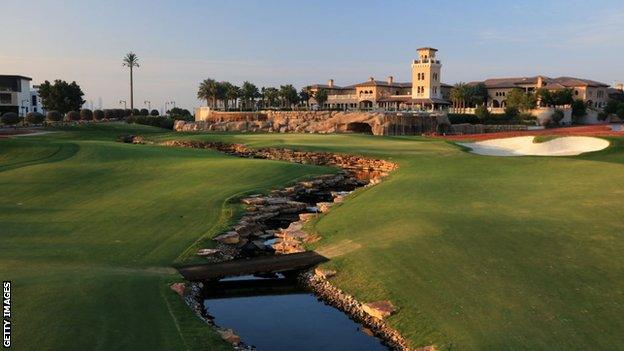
[379,309]
[207,252]
[228,238]
[179,288]
[229,336]
[254,200]
[324,206]
[426,348]
[324,273]
[304,217]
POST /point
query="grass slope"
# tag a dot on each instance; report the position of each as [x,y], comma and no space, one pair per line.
[481,252]
[89,229]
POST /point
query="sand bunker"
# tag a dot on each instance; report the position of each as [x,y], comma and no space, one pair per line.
[523,146]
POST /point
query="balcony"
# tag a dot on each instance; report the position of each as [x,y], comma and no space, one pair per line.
[342,97]
[426,61]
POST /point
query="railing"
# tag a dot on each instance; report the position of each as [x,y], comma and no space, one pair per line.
[342,97]
[426,61]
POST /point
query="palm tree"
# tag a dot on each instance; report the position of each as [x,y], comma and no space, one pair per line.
[131,60]
[207,91]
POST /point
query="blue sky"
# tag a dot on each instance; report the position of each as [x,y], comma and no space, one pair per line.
[273,42]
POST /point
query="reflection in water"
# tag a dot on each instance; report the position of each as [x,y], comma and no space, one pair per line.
[281,316]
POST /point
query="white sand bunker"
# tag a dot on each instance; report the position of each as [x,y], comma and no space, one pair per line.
[525,145]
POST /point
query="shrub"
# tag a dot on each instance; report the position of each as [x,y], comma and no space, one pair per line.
[482,112]
[86,114]
[127,112]
[557,116]
[620,112]
[136,112]
[72,116]
[35,118]
[10,118]
[53,116]
[155,121]
[144,112]
[154,112]
[98,115]
[578,108]
[511,111]
[109,114]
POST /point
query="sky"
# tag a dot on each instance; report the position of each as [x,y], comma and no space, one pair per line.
[274,42]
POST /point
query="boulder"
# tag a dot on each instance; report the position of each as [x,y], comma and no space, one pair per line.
[229,336]
[179,288]
[379,309]
[324,206]
[324,273]
[207,252]
[228,238]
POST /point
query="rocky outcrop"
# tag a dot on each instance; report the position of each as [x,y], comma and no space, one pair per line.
[377,123]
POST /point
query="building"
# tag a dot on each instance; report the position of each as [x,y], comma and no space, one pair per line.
[36,105]
[594,94]
[15,94]
[424,92]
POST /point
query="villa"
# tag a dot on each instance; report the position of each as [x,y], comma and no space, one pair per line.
[17,96]
[427,92]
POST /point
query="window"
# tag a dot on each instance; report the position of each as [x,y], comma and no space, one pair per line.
[5,98]
[33,100]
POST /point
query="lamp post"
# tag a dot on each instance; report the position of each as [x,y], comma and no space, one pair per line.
[124,103]
[149,104]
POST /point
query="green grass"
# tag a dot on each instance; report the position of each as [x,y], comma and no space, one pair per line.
[520,253]
[90,229]
[477,252]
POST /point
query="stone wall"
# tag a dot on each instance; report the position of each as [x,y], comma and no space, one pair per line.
[377,123]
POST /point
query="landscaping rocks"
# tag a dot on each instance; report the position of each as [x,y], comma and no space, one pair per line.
[379,309]
[179,288]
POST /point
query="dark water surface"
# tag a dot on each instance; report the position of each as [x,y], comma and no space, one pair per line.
[283,317]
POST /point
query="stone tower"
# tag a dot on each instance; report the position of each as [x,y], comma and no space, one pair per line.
[426,75]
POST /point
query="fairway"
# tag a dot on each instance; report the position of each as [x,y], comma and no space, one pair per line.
[476,252]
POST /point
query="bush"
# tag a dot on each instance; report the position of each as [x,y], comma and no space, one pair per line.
[127,112]
[512,112]
[603,115]
[557,116]
[109,114]
[35,118]
[86,114]
[144,112]
[72,116]
[482,112]
[10,118]
[53,116]
[620,112]
[136,112]
[154,112]
[155,121]
[98,115]
[459,118]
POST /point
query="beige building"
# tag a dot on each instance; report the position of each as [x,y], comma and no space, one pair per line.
[425,91]
[595,94]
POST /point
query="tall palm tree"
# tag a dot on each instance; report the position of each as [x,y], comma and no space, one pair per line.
[208,91]
[131,60]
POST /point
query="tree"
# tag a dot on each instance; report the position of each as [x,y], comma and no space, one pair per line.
[578,108]
[221,92]
[557,116]
[321,97]
[521,100]
[86,114]
[179,113]
[479,94]
[304,96]
[131,60]
[35,118]
[61,96]
[154,113]
[249,92]
[98,115]
[288,95]
[620,112]
[232,94]
[208,91]
[462,95]
[144,112]
[612,106]
[482,112]
[270,95]
[10,118]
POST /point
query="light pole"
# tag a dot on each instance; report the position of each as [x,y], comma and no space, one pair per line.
[124,103]
[149,104]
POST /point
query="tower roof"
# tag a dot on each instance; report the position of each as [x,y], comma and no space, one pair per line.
[427,48]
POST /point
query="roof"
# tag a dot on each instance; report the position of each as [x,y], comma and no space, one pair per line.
[383,83]
[427,48]
[555,83]
[15,76]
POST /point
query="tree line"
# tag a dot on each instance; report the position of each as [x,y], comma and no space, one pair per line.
[227,96]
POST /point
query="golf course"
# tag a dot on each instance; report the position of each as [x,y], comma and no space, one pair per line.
[476,252]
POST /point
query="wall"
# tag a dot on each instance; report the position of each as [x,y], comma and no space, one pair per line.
[379,123]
